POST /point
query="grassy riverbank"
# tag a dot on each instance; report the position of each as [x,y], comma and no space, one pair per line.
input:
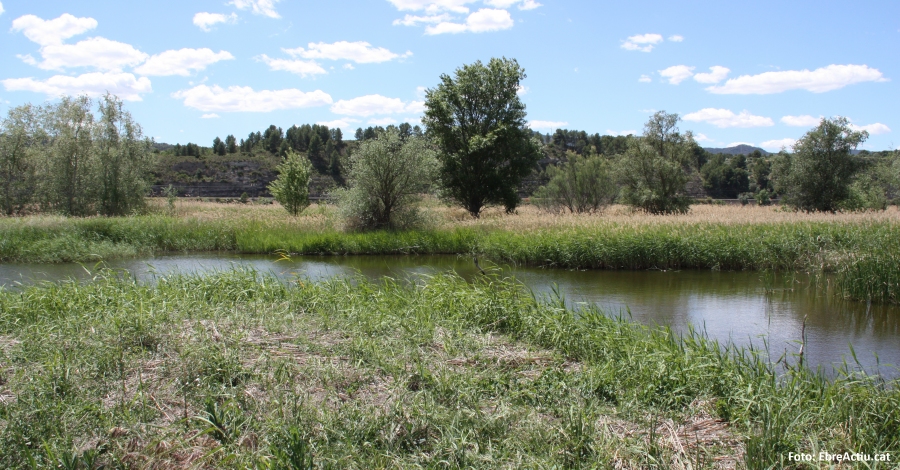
[234,370]
[864,248]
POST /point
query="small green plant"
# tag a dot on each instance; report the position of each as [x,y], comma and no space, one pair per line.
[171,196]
[744,198]
[763,198]
[291,188]
[292,451]
[223,423]
[244,197]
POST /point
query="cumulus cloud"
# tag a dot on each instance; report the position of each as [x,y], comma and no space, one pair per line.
[124,85]
[641,42]
[676,38]
[304,68]
[778,144]
[360,52]
[209,116]
[432,6]
[370,105]
[726,118]
[205,21]
[483,20]
[549,125]
[645,79]
[1,8]
[181,62]
[529,5]
[47,32]
[701,138]
[625,132]
[414,20]
[258,7]
[677,73]
[716,75]
[246,99]
[801,121]
[874,129]
[97,52]
[820,80]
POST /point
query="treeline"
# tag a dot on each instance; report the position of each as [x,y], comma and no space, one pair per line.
[66,158]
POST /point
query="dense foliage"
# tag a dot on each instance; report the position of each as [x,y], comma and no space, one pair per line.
[654,169]
[291,189]
[581,185]
[387,174]
[63,158]
[478,122]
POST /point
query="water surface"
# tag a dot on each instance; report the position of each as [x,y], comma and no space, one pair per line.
[741,308]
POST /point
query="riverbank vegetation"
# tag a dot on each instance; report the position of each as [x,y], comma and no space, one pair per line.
[862,248]
[239,370]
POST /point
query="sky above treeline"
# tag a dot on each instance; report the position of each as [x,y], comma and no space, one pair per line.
[761,73]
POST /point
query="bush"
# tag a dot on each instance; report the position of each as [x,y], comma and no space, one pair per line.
[582,185]
[386,176]
[291,188]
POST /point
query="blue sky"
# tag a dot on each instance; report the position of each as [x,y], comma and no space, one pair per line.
[759,72]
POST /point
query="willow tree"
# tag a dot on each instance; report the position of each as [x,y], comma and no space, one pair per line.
[478,123]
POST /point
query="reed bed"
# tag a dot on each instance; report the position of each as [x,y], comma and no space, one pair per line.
[862,248]
[239,370]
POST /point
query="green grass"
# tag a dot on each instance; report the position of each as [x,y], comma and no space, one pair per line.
[863,254]
[238,370]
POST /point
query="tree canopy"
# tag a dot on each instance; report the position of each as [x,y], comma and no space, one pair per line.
[478,123]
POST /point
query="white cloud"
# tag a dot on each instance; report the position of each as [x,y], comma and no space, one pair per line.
[420,91]
[677,73]
[124,85]
[46,32]
[676,38]
[1,8]
[726,118]
[874,129]
[549,125]
[205,21]
[360,52]
[483,20]
[245,99]
[530,5]
[415,107]
[209,116]
[303,68]
[369,105]
[432,6]
[523,5]
[349,66]
[801,121]
[777,144]
[625,132]
[645,79]
[342,123]
[97,52]
[717,74]
[259,7]
[522,90]
[413,20]
[641,42]
[386,121]
[701,138]
[819,80]
[181,62]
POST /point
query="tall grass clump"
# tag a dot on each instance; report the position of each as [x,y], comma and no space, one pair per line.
[238,370]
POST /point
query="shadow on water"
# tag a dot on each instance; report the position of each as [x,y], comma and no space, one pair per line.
[741,308]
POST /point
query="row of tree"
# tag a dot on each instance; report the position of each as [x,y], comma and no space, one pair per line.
[65,158]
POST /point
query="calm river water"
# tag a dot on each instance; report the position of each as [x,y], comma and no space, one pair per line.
[733,307]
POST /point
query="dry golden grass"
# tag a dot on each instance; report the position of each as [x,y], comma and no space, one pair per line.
[527,217]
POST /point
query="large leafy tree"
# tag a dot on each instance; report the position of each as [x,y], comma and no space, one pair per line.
[817,177]
[654,169]
[478,123]
[20,138]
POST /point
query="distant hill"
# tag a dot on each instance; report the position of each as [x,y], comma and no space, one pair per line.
[738,150]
